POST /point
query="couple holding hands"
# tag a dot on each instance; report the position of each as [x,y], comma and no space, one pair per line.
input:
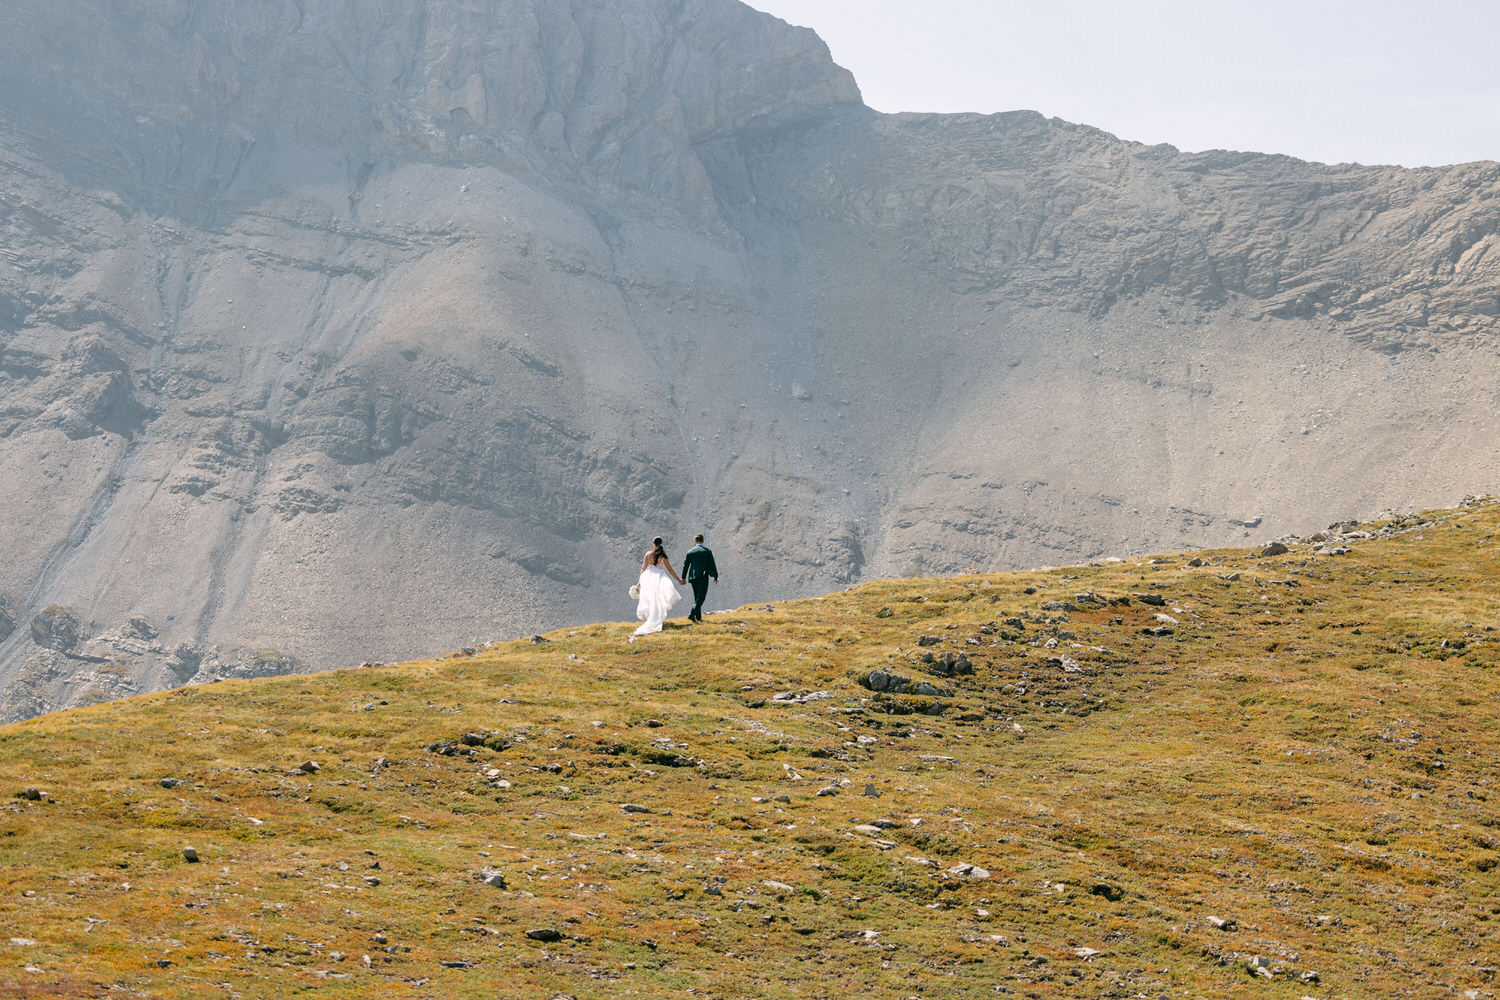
[657,592]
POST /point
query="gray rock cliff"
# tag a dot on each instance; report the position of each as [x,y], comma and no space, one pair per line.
[338,330]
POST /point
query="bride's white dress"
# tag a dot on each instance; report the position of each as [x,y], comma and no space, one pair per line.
[658,596]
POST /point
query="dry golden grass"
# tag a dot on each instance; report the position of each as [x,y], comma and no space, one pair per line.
[1309,755]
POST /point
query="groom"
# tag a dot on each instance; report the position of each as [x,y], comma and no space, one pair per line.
[697,567]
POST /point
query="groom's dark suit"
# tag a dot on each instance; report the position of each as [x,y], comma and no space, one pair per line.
[697,567]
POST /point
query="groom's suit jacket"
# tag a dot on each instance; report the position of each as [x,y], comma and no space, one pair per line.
[699,562]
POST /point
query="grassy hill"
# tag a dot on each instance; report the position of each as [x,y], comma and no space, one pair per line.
[1274,782]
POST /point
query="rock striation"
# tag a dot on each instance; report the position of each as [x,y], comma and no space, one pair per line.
[336,330]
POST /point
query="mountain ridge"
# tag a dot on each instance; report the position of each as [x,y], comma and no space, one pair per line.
[305,362]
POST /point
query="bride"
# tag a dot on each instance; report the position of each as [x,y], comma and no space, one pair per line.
[658,595]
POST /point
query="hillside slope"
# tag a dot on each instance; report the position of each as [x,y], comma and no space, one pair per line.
[334,330]
[1224,773]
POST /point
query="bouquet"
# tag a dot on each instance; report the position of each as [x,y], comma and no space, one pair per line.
[635,592]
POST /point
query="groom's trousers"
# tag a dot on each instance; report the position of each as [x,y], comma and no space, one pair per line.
[700,592]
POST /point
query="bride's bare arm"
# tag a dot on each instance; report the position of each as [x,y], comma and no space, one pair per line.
[646,562]
[680,581]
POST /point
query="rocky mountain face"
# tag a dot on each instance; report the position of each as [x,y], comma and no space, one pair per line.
[333,330]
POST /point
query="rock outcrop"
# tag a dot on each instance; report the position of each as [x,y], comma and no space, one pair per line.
[348,329]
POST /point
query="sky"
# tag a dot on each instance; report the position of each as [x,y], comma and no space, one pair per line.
[1335,81]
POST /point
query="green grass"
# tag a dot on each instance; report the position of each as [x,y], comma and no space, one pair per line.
[1310,754]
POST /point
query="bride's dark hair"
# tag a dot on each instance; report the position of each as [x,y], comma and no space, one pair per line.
[658,552]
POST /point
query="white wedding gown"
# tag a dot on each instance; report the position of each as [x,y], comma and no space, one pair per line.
[658,596]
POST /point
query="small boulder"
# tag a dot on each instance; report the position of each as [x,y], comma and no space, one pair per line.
[546,934]
[950,665]
[1113,893]
[883,680]
[966,870]
[1275,549]
[190,855]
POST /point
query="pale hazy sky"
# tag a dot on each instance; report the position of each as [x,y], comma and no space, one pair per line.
[1415,83]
